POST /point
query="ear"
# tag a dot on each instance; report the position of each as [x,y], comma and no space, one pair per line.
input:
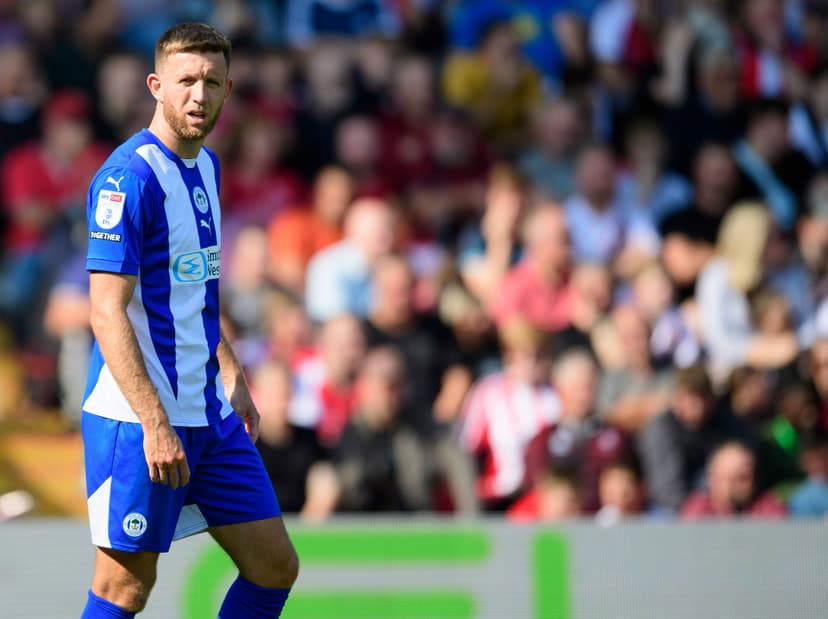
[154,85]
[229,87]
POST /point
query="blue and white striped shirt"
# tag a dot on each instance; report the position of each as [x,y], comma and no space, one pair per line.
[156,216]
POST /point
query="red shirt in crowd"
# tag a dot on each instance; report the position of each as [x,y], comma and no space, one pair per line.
[30,176]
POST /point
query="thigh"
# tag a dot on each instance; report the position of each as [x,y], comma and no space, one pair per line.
[261,550]
[230,484]
[127,511]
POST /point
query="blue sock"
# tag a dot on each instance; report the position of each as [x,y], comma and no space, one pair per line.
[245,600]
[99,608]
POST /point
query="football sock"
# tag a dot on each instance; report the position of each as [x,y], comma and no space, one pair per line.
[246,600]
[99,608]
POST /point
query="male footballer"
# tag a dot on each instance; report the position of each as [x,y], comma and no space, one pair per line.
[168,420]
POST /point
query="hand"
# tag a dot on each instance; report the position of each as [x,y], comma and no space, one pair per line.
[244,407]
[165,456]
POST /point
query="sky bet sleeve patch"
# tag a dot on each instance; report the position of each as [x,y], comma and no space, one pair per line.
[110,208]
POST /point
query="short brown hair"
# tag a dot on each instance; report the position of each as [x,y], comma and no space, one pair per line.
[694,379]
[192,37]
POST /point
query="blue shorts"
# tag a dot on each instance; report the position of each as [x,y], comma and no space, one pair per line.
[228,484]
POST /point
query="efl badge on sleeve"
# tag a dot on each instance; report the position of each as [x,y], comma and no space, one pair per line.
[110,208]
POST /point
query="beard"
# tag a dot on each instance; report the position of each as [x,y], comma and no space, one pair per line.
[178,123]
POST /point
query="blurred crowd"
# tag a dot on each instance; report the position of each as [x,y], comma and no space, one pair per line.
[541,258]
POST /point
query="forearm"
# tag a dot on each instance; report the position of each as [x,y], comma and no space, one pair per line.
[232,374]
[120,349]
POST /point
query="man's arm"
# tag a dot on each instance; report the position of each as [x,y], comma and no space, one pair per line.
[109,295]
[236,388]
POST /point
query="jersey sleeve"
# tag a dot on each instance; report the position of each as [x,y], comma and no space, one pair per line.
[115,218]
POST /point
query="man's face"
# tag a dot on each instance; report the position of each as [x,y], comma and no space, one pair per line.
[193,88]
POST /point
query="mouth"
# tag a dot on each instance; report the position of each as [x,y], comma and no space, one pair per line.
[197,115]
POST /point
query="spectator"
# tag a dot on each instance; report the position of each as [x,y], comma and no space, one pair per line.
[285,330]
[731,488]
[382,465]
[553,498]
[810,498]
[620,492]
[308,20]
[358,149]
[324,380]
[722,293]
[675,445]
[504,412]
[552,33]
[772,63]
[796,418]
[123,101]
[689,235]
[489,247]
[494,84]
[339,276]
[256,184]
[603,230]
[329,96]
[577,441]
[766,158]
[22,90]
[538,288]
[548,162]
[44,183]
[591,299]
[245,287]
[808,120]
[673,341]
[818,373]
[66,318]
[437,380]
[653,191]
[630,396]
[711,112]
[295,235]
[291,454]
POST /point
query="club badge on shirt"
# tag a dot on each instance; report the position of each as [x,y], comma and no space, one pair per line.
[110,208]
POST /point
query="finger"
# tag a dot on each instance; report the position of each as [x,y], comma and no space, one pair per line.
[185,472]
[172,475]
[162,474]
[153,473]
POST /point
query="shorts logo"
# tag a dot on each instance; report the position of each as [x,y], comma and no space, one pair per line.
[110,208]
[197,266]
[200,199]
[135,524]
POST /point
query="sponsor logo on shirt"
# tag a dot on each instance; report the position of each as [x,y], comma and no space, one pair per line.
[135,524]
[105,236]
[110,208]
[197,266]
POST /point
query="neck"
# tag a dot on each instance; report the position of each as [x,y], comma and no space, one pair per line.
[186,149]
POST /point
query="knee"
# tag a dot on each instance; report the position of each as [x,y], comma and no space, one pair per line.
[278,570]
[286,569]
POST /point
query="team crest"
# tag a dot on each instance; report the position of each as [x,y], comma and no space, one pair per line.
[135,524]
[200,199]
[110,208]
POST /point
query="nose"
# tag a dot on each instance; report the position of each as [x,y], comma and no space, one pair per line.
[198,91]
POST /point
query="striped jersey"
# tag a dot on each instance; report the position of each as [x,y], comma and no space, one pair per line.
[500,418]
[156,216]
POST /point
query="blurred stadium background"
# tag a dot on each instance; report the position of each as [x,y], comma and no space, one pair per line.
[531,295]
